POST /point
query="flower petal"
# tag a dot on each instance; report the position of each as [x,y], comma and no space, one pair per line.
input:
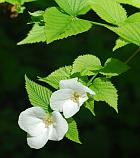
[70,108]
[88,90]
[59,97]
[31,121]
[82,99]
[39,141]
[60,127]
[75,86]
[68,84]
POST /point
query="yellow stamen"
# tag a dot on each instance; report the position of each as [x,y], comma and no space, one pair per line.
[75,97]
[48,120]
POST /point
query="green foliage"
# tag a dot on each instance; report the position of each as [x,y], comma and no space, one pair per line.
[62,22]
[120,43]
[86,65]
[36,34]
[10,1]
[130,32]
[55,77]
[90,106]
[135,3]
[109,10]
[130,29]
[74,7]
[38,95]
[59,25]
[133,18]
[113,67]
[37,17]
[19,2]
[72,133]
[1,1]
[105,91]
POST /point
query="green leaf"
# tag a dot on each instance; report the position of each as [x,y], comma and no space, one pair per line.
[2,1]
[38,13]
[72,133]
[135,3]
[74,7]
[120,43]
[133,18]
[114,67]
[38,95]
[59,25]
[55,77]
[105,91]
[20,9]
[37,17]
[129,31]
[109,10]
[90,106]
[36,34]
[86,65]
[23,1]
[18,2]
[12,1]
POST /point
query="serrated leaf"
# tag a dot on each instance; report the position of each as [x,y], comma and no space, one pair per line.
[74,7]
[59,25]
[120,43]
[86,65]
[114,67]
[72,133]
[38,95]
[90,106]
[135,3]
[36,34]
[55,77]
[133,18]
[129,31]
[109,10]
[105,91]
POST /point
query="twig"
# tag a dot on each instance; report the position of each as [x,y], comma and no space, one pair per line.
[132,56]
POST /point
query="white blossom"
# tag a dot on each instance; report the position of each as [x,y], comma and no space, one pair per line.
[41,127]
[70,97]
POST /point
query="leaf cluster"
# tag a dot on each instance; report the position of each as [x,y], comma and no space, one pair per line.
[91,73]
[64,21]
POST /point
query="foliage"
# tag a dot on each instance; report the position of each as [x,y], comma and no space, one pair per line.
[104,89]
[19,8]
[60,22]
[38,95]
[72,133]
[63,22]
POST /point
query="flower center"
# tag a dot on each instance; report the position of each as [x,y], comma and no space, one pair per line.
[75,97]
[48,120]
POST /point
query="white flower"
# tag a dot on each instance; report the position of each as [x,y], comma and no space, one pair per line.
[70,97]
[41,127]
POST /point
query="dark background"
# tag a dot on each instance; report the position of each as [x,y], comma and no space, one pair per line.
[105,136]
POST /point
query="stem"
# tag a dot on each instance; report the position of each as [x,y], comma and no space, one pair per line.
[88,84]
[132,56]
